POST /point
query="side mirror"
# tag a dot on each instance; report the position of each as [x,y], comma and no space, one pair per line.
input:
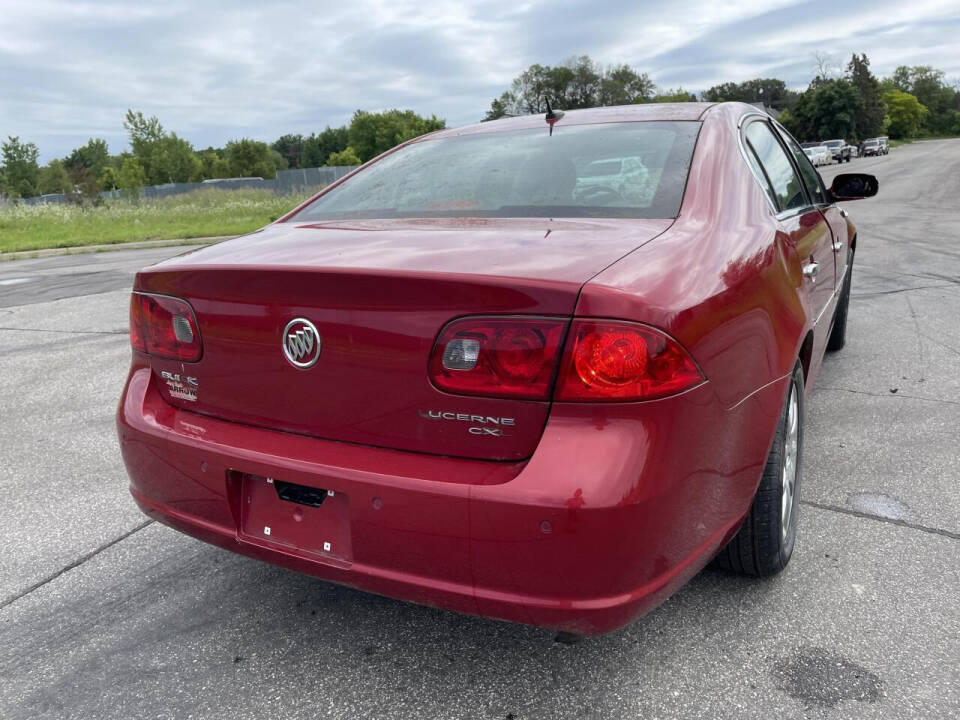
[854,186]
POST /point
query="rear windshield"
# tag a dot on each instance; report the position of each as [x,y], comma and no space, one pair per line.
[833,143]
[629,170]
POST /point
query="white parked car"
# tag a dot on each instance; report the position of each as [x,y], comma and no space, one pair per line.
[819,155]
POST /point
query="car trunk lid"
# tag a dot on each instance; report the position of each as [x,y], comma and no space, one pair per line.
[378,293]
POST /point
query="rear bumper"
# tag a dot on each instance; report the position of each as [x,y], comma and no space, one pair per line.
[616,509]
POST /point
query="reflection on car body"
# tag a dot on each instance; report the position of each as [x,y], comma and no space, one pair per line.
[626,177]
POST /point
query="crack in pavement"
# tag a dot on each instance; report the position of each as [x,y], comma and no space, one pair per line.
[941,344]
[76,563]
[899,290]
[881,518]
[899,274]
[916,326]
[68,332]
[888,395]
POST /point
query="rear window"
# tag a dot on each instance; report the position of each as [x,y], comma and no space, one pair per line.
[629,170]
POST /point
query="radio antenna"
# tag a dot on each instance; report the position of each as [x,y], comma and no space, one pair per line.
[552,115]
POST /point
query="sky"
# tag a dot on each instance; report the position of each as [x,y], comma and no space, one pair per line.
[223,69]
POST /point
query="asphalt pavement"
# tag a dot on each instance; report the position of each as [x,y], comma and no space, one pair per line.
[106,615]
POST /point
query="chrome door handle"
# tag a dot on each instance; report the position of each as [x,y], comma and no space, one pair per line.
[811,270]
[838,246]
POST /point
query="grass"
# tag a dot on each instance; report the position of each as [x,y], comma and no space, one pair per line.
[202,213]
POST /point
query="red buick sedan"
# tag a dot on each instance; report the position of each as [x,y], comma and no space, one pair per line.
[543,372]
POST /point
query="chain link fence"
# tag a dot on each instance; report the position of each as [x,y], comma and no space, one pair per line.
[287,181]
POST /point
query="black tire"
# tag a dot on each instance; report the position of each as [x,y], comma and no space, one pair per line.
[761,547]
[838,335]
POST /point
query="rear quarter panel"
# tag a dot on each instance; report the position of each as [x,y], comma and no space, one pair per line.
[721,279]
[724,281]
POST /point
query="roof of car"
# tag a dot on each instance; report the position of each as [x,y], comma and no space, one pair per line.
[615,113]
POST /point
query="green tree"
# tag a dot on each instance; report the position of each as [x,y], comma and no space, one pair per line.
[827,110]
[279,161]
[770,91]
[871,111]
[927,84]
[20,170]
[906,114]
[249,158]
[132,177]
[622,85]
[85,188]
[109,178]
[344,157]
[499,107]
[291,148]
[165,157]
[212,165]
[171,160]
[921,81]
[53,179]
[145,134]
[578,83]
[673,96]
[94,156]
[951,122]
[373,133]
[317,148]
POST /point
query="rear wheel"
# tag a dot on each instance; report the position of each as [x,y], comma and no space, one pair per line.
[765,542]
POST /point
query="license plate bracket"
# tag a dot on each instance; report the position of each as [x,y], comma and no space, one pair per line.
[279,513]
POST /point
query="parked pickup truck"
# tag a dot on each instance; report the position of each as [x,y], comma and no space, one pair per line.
[841,151]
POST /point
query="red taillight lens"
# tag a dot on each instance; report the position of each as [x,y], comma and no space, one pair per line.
[619,361]
[164,326]
[498,357]
[137,339]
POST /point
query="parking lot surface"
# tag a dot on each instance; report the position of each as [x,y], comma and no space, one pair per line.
[106,615]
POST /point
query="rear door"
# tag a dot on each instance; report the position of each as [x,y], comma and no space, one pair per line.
[805,229]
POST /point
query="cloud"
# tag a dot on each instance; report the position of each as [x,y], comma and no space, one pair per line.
[228,68]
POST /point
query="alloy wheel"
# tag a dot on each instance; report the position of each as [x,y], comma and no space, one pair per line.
[789,478]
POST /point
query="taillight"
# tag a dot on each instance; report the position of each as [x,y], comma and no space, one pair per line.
[164,326]
[510,357]
[608,361]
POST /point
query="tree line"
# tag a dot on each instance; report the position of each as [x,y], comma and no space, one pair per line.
[855,105]
[157,156]
[852,104]
[578,83]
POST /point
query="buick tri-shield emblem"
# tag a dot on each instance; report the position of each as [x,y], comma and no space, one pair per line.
[301,343]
